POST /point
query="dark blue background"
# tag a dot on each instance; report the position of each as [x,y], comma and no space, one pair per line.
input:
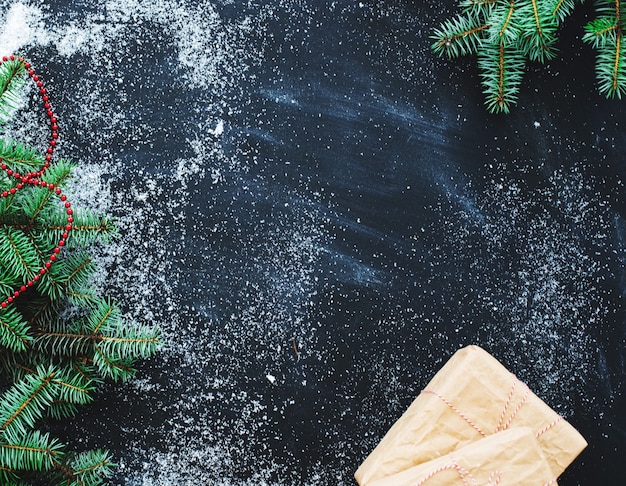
[368,217]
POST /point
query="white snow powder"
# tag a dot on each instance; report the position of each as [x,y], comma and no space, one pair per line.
[23,26]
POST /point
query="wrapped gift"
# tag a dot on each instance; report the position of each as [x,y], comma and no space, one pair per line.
[471,397]
[508,458]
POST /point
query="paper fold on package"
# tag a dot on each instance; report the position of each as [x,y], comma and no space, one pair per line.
[472,397]
[507,458]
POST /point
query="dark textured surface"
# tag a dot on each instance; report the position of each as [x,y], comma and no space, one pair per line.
[359,218]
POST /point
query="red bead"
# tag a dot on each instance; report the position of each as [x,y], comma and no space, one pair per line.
[36,278]
[68,227]
[10,172]
[67,204]
[12,191]
[45,98]
[51,186]
[55,135]
[58,191]
[20,185]
[23,288]
[46,105]
[70,220]
[48,264]
[42,90]
[65,235]
[57,250]
[53,258]
[10,299]
[49,150]
[70,212]
[12,57]
[27,65]
[53,142]
[39,83]
[4,305]
[62,243]
[16,293]
[42,271]
[5,58]
[5,194]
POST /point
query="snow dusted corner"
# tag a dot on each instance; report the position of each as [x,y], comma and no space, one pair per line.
[317,224]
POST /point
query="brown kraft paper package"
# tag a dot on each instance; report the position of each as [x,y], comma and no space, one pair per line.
[471,397]
[509,458]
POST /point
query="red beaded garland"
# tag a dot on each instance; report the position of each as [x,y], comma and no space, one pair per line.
[34,179]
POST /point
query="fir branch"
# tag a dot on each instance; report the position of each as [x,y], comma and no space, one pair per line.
[117,370]
[478,7]
[56,337]
[18,254]
[538,42]
[601,31]
[618,65]
[133,342]
[89,468]
[34,202]
[503,28]
[73,387]
[8,283]
[25,402]
[8,476]
[610,68]
[605,34]
[501,69]
[459,36]
[70,274]
[87,228]
[561,9]
[60,410]
[13,330]
[11,82]
[64,343]
[34,451]
[116,343]
[20,157]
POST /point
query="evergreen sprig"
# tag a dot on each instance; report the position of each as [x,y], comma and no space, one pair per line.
[506,33]
[11,82]
[605,33]
[459,36]
[58,338]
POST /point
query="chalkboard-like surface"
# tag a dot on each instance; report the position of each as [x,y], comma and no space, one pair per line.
[319,212]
